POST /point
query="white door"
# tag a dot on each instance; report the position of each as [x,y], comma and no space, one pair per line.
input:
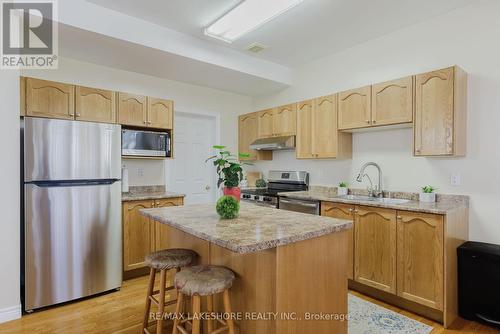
[187,173]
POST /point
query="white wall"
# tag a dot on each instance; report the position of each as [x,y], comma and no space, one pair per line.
[10,307]
[187,98]
[467,37]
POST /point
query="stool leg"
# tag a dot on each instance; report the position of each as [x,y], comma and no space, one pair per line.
[196,314]
[210,309]
[227,309]
[178,309]
[152,273]
[161,301]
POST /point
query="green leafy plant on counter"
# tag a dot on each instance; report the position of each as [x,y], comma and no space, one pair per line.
[229,168]
[428,189]
[343,184]
[260,183]
[228,207]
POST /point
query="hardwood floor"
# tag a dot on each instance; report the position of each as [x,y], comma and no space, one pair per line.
[121,312]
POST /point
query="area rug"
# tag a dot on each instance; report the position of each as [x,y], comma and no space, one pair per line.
[369,318]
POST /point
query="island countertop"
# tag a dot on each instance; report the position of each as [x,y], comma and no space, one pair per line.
[256,228]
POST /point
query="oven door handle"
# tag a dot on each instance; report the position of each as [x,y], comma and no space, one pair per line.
[299,202]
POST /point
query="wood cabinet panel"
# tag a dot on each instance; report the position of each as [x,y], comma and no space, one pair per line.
[95,105]
[265,123]
[420,258]
[160,113]
[49,99]
[343,211]
[303,149]
[247,134]
[392,102]
[285,120]
[138,234]
[375,248]
[355,108]
[324,125]
[435,131]
[22,96]
[132,109]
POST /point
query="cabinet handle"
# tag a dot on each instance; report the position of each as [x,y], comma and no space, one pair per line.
[351,210]
[399,218]
[368,121]
[78,114]
[374,121]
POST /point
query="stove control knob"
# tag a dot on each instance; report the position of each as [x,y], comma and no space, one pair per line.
[246,196]
[267,199]
[256,197]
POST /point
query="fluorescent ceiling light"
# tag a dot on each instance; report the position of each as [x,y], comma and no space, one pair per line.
[247,16]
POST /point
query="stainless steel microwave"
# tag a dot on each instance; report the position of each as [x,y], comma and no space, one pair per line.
[139,143]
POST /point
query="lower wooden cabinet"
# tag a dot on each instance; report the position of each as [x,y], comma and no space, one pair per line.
[375,248]
[343,211]
[141,236]
[421,258]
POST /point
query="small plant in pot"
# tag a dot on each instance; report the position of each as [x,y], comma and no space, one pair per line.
[427,195]
[229,171]
[342,189]
[228,207]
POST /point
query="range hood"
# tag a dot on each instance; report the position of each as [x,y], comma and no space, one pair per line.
[274,143]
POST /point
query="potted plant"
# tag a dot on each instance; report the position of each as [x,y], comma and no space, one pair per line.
[427,195]
[229,171]
[342,189]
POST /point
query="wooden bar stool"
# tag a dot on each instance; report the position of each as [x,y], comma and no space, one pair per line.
[163,261]
[198,281]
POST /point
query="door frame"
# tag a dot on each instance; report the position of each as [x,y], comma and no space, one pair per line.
[195,112]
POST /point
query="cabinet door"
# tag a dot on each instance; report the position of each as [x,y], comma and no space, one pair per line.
[137,234]
[375,248]
[324,127]
[22,96]
[49,99]
[342,211]
[392,102]
[132,109]
[303,149]
[161,230]
[285,120]
[355,108]
[433,128]
[265,123]
[95,105]
[160,113]
[420,258]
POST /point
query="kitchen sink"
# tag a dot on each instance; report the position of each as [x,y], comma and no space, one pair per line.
[375,199]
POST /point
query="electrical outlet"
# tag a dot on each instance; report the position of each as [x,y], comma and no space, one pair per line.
[455,179]
[140,172]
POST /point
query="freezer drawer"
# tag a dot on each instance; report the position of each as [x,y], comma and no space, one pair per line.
[73,244]
[69,150]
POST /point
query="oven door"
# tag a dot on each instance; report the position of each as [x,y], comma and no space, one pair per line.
[145,143]
[297,205]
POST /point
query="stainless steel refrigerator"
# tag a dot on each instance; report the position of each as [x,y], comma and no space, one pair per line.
[72,210]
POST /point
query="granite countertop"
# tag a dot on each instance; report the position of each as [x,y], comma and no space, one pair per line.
[256,228]
[445,204]
[139,193]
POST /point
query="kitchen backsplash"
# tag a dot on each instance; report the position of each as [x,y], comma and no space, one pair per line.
[144,172]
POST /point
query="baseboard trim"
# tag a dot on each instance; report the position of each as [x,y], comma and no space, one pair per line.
[10,313]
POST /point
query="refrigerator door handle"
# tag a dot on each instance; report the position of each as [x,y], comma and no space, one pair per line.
[76,183]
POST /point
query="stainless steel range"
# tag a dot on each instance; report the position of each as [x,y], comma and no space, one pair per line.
[278,182]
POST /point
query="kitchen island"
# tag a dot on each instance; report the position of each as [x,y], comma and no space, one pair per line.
[291,268]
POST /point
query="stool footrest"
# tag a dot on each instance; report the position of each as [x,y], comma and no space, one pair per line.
[157,303]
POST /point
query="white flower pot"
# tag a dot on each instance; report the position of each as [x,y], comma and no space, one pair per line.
[342,191]
[427,197]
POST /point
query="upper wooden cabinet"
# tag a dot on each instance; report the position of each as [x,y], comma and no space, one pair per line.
[95,105]
[277,122]
[317,134]
[49,99]
[343,211]
[22,96]
[160,113]
[355,108]
[440,113]
[132,109]
[392,102]
[247,134]
[375,248]
[284,120]
[421,258]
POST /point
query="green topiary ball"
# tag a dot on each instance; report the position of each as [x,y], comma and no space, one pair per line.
[228,207]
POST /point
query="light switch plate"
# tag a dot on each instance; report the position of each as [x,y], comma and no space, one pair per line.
[455,179]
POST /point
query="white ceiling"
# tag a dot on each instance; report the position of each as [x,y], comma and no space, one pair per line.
[313,29]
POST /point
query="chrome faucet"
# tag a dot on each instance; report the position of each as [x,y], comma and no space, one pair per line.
[377,192]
